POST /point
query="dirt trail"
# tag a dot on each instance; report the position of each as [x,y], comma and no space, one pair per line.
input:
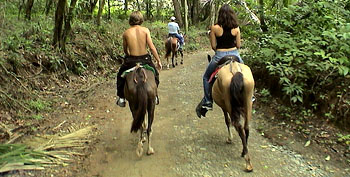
[184,145]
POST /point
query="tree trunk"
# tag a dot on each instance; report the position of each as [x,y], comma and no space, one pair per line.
[177,9]
[99,13]
[195,12]
[138,5]
[29,8]
[125,6]
[252,15]
[263,25]
[148,9]
[67,24]
[158,9]
[48,6]
[92,7]
[109,9]
[21,5]
[212,12]
[186,16]
[59,16]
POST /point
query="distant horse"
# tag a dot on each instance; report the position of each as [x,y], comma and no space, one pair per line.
[232,91]
[141,90]
[171,47]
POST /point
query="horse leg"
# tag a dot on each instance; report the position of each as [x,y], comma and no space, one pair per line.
[167,60]
[172,59]
[247,118]
[245,153]
[182,57]
[176,58]
[150,150]
[229,127]
[139,150]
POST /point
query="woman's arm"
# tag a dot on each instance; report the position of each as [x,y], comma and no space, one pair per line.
[212,37]
[238,38]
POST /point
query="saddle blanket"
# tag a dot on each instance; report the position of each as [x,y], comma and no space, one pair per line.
[146,66]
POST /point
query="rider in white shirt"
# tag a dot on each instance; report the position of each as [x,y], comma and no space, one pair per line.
[174,30]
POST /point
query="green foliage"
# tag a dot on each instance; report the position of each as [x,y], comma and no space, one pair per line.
[17,153]
[307,47]
[39,105]
[37,116]
[285,111]
[265,95]
[344,138]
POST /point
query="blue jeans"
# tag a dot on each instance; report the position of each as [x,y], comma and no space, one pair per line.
[211,68]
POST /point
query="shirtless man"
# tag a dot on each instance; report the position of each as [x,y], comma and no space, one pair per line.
[135,42]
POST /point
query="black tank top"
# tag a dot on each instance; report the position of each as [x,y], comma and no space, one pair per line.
[226,40]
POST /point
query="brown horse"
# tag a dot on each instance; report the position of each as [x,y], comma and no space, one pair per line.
[232,91]
[171,47]
[141,90]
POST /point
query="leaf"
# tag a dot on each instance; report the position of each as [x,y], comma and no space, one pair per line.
[307,143]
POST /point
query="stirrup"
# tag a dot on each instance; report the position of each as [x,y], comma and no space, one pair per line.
[208,106]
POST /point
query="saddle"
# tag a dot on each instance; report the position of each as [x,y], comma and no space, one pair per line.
[177,41]
[138,65]
[223,61]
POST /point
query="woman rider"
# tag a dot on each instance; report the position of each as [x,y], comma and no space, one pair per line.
[225,39]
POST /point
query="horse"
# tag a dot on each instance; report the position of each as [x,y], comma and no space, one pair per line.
[171,47]
[232,91]
[140,90]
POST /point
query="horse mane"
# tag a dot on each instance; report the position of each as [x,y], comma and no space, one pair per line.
[237,98]
[141,99]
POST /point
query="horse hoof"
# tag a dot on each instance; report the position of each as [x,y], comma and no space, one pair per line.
[182,63]
[150,151]
[229,141]
[249,168]
[139,150]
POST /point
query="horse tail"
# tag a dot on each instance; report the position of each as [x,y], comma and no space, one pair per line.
[237,97]
[168,47]
[174,46]
[141,100]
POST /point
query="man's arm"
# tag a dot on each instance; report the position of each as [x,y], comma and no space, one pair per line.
[125,45]
[152,48]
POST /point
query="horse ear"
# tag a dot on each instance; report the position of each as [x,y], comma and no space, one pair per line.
[209,58]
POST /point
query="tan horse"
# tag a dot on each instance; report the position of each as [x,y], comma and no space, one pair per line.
[171,47]
[140,91]
[232,91]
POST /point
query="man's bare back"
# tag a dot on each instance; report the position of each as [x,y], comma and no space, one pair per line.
[135,42]
[135,39]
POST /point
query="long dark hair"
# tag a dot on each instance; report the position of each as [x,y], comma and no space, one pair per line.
[227,18]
